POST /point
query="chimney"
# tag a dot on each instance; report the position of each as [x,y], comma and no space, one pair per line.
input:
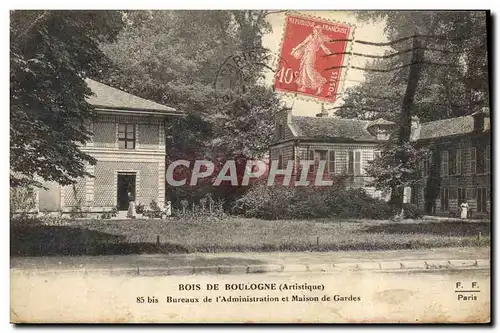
[289,116]
[479,119]
[380,128]
[323,112]
[415,128]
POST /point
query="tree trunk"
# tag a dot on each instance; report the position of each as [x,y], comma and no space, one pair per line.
[397,194]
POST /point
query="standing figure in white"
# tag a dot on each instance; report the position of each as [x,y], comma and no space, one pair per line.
[464,209]
[131,206]
[168,208]
[306,51]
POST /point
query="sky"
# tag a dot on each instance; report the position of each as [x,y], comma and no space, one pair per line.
[368,31]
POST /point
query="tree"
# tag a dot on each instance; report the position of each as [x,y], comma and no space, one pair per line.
[456,88]
[434,85]
[176,58]
[51,54]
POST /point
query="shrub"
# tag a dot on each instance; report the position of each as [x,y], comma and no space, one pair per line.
[140,208]
[153,205]
[276,202]
[267,202]
[22,200]
[412,211]
[154,210]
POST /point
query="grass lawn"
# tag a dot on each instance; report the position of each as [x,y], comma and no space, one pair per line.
[240,234]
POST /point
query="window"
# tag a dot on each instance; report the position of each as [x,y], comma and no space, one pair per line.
[427,165]
[444,163]
[354,162]
[311,158]
[350,162]
[280,161]
[453,193]
[126,136]
[487,159]
[331,161]
[281,131]
[319,155]
[357,162]
[481,159]
[482,199]
[472,157]
[461,195]
[452,162]
[459,162]
[444,200]
[471,193]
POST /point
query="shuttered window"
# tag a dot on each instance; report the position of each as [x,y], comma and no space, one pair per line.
[331,161]
[459,162]
[357,163]
[482,200]
[444,200]
[461,195]
[350,162]
[311,158]
[444,163]
[472,157]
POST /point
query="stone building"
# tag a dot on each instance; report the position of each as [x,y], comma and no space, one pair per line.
[129,146]
[345,144]
[458,170]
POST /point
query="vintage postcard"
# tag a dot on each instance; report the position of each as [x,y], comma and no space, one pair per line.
[251,166]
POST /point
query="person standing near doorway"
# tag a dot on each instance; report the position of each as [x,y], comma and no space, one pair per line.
[464,209]
[131,206]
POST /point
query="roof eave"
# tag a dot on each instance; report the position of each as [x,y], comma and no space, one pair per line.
[486,131]
[152,112]
[336,139]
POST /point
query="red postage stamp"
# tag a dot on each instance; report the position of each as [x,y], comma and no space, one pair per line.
[305,47]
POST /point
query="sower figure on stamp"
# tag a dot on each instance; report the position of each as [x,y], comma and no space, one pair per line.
[306,51]
[131,206]
[464,209]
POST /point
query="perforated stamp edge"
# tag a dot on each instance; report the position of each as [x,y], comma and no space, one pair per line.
[305,97]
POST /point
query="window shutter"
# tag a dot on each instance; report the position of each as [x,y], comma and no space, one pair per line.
[331,161]
[444,163]
[357,162]
[311,158]
[350,162]
[487,160]
[453,193]
[472,169]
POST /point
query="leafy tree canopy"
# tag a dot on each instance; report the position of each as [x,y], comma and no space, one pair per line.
[51,52]
[173,57]
[458,88]
[453,82]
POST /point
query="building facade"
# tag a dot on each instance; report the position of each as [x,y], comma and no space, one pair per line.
[346,145]
[457,169]
[128,143]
